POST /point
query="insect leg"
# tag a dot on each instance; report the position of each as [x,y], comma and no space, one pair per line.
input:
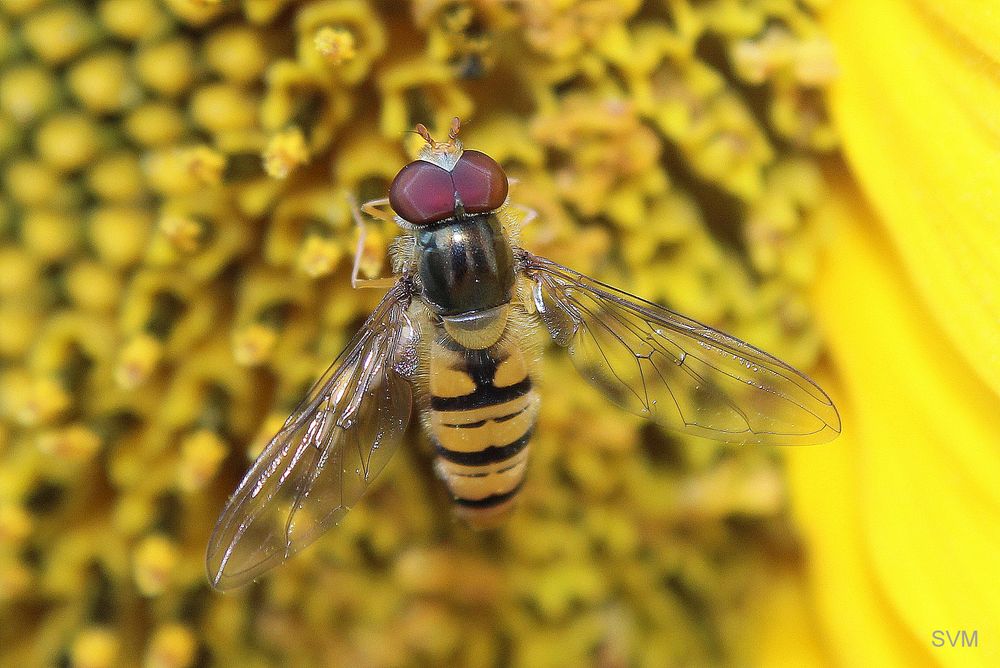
[358,283]
[529,214]
[372,208]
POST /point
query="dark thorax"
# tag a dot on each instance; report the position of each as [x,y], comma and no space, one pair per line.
[464,264]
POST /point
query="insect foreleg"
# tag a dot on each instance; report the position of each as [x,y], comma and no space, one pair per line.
[372,208]
[529,214]
[356,282]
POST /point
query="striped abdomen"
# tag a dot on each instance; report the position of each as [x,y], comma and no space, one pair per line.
[482,411]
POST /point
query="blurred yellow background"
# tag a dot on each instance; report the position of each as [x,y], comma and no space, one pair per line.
[174,272]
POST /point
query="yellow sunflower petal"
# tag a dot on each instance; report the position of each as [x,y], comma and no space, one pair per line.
[901,513]
[783,626]
[916,105]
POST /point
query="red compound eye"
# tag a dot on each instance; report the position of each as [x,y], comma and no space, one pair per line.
[422,193]
[480,182]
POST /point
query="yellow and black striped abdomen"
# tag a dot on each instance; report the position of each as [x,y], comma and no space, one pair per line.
[482,411]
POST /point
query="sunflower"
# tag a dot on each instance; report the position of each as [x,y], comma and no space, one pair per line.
[902,515]
[174,272]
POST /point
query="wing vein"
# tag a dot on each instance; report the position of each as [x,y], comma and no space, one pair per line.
[715,385]
[301,484]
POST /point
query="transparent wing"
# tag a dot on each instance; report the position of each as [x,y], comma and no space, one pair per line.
[326,454]
[673,370]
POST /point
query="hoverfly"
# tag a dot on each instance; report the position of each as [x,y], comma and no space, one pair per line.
[452,332]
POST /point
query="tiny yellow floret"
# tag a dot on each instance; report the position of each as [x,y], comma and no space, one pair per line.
[95,647]
[138,360]
[75,443]
[205,164]
[253,344]
[184,232]
[336,45]
[172,646]
[46,399]
[27,92]
[68,141]
[155,559]
[285,151]
[201,454]
[319,256]
[15,525]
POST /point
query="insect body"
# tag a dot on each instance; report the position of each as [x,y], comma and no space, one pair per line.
[481,407]
[451,336]
[482,411]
